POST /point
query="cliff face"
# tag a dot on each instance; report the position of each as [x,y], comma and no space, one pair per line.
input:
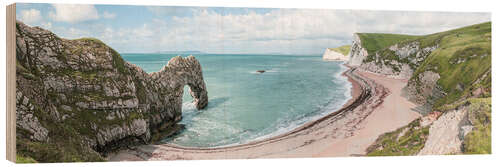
[331,55]
[357,53]
[398,60]
[78,97]
[436,65]
[449,75]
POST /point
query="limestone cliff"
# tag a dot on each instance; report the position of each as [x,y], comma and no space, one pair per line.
[78,99]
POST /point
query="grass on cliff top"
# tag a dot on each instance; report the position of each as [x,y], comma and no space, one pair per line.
[478,141]
[407,140]
[463,56]
[118,61]
[344,50]
[373,42]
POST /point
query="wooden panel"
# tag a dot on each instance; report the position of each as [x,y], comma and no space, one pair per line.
[11,82]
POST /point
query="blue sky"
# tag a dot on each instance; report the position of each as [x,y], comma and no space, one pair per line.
[143,29]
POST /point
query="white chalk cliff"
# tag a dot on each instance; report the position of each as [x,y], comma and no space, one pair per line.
[332,55]
[357,53]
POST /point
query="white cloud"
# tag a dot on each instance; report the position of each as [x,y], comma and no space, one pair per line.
[30,16]
[73,13]
[171,10]
[108,15]
[47,25]
[296,31]
[300,30]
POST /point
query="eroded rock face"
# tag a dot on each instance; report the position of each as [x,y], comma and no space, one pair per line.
[423,88]
[86,87]
[398,61]
[357,53]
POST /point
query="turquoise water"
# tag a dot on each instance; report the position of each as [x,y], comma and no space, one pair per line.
[245,105]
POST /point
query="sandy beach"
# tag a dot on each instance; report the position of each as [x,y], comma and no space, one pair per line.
[376,107]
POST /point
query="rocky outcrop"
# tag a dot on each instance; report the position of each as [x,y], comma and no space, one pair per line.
[447,133]
[397,61]
[82,90]
[331,55]
[423,88]
[357,53]
[450,83]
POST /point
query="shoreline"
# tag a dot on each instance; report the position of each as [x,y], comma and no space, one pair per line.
[303,141]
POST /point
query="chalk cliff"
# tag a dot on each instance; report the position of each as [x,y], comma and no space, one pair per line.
[336,54]
[78,99]
[357,53]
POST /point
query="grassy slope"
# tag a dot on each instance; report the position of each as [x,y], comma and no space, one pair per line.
[373,42]
[471,46]
[22,159]
[407,140]
[478,141]
[342,49]
[462,52]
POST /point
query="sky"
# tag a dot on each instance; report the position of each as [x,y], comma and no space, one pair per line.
[147,29]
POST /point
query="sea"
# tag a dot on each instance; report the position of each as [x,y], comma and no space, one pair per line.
[245,105]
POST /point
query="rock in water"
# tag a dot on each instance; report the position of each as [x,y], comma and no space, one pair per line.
[261,71]
[82,95]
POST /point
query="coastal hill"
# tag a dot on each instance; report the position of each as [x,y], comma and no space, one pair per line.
[77,100]
[337,54]
[449,75]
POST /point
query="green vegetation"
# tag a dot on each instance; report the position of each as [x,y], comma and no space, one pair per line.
[463,57]
[22,159]
[86,75]
[373,42]
[478,141]
[344,50]
[72,130]
[118,62]
[64,144]
[463,61]
[377,42]
[28,151]
[407,140]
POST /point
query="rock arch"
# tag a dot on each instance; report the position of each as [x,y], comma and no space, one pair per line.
[180,72]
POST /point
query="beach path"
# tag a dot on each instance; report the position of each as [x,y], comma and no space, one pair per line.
[395,112]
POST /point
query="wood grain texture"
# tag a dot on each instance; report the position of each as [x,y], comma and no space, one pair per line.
[11,82]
